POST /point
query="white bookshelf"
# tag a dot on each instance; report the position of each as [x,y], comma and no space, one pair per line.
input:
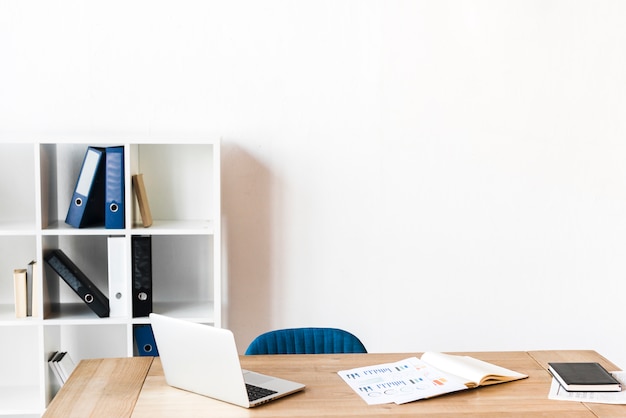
[36,181]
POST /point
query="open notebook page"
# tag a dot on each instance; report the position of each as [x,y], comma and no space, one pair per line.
[476,372]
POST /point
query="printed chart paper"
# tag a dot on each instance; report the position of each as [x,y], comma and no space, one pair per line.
[558,393]
[401,382]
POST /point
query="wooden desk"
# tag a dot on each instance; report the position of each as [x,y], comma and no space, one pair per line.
[136,387]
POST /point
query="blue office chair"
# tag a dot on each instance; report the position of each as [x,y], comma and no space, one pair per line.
[306,341]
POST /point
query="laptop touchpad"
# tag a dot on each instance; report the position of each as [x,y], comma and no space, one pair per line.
[256,378]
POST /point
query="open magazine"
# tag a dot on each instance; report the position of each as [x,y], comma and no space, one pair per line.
[434,374]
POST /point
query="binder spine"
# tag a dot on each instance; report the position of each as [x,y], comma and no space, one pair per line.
[142,275]
[79,283]
[114,188]
[144,340]
[87,205]
[119,291]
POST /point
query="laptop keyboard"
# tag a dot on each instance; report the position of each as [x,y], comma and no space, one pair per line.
[255,392]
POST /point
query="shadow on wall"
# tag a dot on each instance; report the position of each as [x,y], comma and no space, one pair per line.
[246,212]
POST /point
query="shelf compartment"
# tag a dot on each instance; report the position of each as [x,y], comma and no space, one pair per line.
[84,341]
[60,169]
[17,252]
[17,163]
[89,253]
[179,179]
[179,275]
[19,360]
[20,401]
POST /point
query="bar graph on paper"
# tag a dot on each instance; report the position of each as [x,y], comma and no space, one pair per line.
[407,380]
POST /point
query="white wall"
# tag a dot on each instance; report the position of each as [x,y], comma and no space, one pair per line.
[431,175]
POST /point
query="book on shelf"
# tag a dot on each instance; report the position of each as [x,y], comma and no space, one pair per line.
[142,200]
[27,291]
[61,365]
[433,375]
[54,368]
[66,365]
[40,301]
[584,377]
[20,290]
[78,282]
[31,300]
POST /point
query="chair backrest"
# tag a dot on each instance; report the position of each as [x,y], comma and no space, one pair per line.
[306,341]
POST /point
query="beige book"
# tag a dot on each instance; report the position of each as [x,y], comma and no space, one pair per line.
[38,292]
[142,200]
[472,371]
[19,282]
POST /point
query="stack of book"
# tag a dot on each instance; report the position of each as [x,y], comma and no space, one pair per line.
[27,291]
[61,365]
[584,377]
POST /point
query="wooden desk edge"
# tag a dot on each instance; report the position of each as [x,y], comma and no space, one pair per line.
[83,396]
[543,357]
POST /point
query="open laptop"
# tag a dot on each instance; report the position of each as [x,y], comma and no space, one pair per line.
[203,359]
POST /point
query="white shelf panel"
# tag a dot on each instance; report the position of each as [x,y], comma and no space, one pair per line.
[167,227]
[79,314]
[17,228]
[7,317]
[159,227]
[61,228]
[7,313]
[197,311]
[20,400]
